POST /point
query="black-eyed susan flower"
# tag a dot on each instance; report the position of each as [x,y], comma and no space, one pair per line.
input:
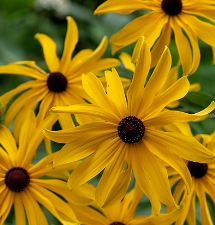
[20,183]
[128,137]
[203,181]
[121,213]
[62,84]
[156,25]
[170,79]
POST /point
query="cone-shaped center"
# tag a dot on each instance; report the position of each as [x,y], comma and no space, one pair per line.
[17,179]
[117,223]
[172,7]
[131,129]
[56,82]
[196,169]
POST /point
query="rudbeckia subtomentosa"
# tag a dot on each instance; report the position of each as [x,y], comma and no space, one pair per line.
[170,79]
[203,181]
[157,24]
[62,85]
[122,213]
[20,183]
[128,135]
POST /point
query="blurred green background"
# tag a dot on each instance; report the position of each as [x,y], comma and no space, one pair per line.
[21,20]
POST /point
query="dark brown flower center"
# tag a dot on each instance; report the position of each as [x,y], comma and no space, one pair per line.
[17,179]
[56,82]
[172,7]
[131,129]
[197,170]
[117,223]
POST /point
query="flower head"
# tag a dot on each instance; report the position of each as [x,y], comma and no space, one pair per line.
[121,213]
[156,25]
[203,180]
[128,138]
[20,183]
[62,84]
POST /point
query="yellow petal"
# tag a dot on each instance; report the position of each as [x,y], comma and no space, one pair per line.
[88,109]
[54,204]
[69,44]
[19,210]
[36,139]
[122,6]
[115,91]
[119,189]
[201,28]
[158,176]
[177,91]
[183,47]
[205,213]
[159,46]
[22,70]
[94,164]
[87,215]
[141,26]
[95,90]
[160,72]
[185,147]
[195,87]
[126,60]
[27,129]
[142,178]
[36,93]
[135,92]
[49,51]
[110,176]
[171,158]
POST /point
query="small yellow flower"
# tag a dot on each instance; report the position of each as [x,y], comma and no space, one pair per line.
[161,18]
[122,213]
[128,137]
[203,181]
[20,183]
[62,85]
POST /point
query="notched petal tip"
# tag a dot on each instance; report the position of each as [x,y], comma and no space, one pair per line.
[137,49]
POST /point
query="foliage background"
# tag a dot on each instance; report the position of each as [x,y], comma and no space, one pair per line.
[21,20]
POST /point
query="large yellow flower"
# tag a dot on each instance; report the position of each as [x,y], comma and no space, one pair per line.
[203,181]
[157,24]
[122,213]
[129,135]
[20,183]
[62,85]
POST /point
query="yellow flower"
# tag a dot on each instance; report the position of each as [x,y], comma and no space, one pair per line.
[128,134]
[20,183]
[157,24]
[203,181]
[62,86]
[121,213]
[170,79]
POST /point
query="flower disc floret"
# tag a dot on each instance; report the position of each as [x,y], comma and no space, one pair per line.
[56,82]
[117,223]
[17,179]
[197,170]
[172,7]
[131,129]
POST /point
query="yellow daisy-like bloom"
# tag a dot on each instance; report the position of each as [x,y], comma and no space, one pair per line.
[121,213]
[128,134]
[203,181]
[170,79]
[20,183]
[157,24]
[62,86]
